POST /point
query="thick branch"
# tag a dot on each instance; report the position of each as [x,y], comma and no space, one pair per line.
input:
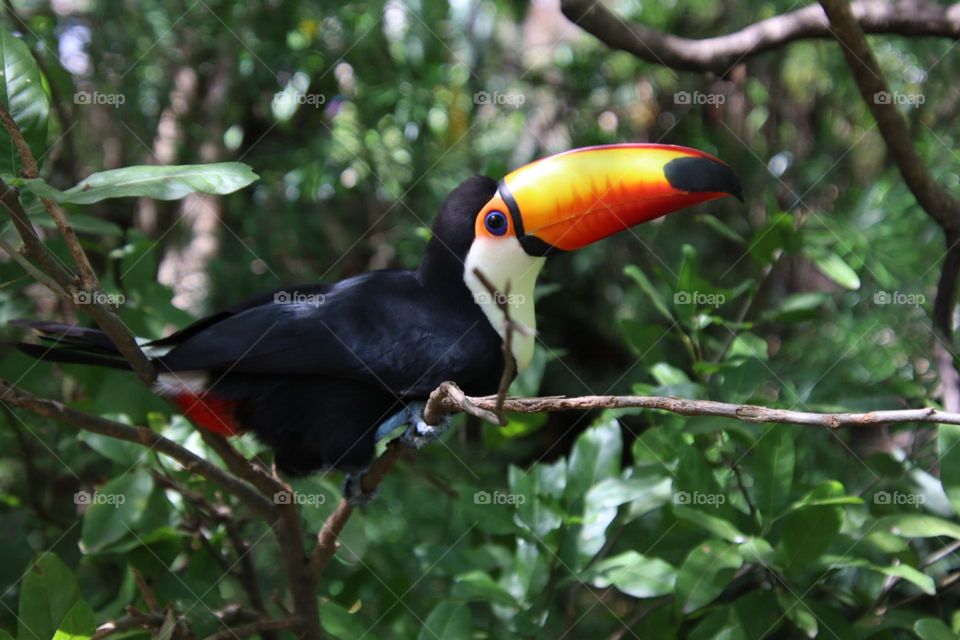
[719,54]
[935,200]
[16,397]
[452,401]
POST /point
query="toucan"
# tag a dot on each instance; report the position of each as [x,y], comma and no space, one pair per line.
[320,372]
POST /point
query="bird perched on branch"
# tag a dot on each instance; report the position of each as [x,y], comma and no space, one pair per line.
[319,372]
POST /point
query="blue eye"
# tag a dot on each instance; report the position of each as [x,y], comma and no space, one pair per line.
[496,223]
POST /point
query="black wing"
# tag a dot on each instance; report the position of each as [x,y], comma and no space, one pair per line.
[382,328]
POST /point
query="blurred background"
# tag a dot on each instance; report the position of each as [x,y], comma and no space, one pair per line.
[359,118]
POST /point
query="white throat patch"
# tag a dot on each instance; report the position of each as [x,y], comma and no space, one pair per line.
[504,262]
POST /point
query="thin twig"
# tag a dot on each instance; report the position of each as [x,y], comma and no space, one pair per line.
[254,628]
[16,397]
[450,399]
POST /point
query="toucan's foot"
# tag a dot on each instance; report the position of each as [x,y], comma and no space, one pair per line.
[419,433]
[353,489]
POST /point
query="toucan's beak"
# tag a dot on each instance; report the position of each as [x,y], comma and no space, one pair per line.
[567,201]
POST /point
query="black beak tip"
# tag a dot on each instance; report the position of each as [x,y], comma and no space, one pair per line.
[697,174]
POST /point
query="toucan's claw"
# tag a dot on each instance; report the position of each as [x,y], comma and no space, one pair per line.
[419,433]
[353,489]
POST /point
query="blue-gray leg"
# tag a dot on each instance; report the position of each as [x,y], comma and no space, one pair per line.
[417,435]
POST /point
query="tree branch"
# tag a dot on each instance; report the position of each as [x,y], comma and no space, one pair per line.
[450,399]
[719,54]
[108,321]
[939,204]
[16,397]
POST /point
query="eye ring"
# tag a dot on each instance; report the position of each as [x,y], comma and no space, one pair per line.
[496,222]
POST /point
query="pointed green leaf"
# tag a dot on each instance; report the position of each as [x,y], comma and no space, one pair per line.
[448,621]
[835,268]
[635,575]
[705,573]
[774,465]
[49,593]
[659,303]
[160,183]
[595,456]
[22,93]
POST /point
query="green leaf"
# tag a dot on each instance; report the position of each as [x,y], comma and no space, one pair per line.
[595,456]
[149,181]
[448,621]
[903,571]
[933,629]
[808,532]
[78,624]
[48,595]
[798,613]
[721,228]
[659,303]
[835,268]
[635,575]
[340,623]
[477,585]
[919,526]
[773,469]
[22,93]
[80,222]
[603,500]
[115,511]
[948,444]
[716,525]
[705,573]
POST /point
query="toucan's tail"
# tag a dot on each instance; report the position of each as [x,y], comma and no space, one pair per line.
[70,344]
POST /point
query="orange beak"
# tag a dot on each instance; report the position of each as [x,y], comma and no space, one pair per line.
[572,199]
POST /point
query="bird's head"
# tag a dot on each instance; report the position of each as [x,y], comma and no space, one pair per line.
[562,203]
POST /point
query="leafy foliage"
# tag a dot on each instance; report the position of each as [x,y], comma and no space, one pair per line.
[360,118]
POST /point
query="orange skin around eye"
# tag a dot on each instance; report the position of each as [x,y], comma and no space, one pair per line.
[496,203]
